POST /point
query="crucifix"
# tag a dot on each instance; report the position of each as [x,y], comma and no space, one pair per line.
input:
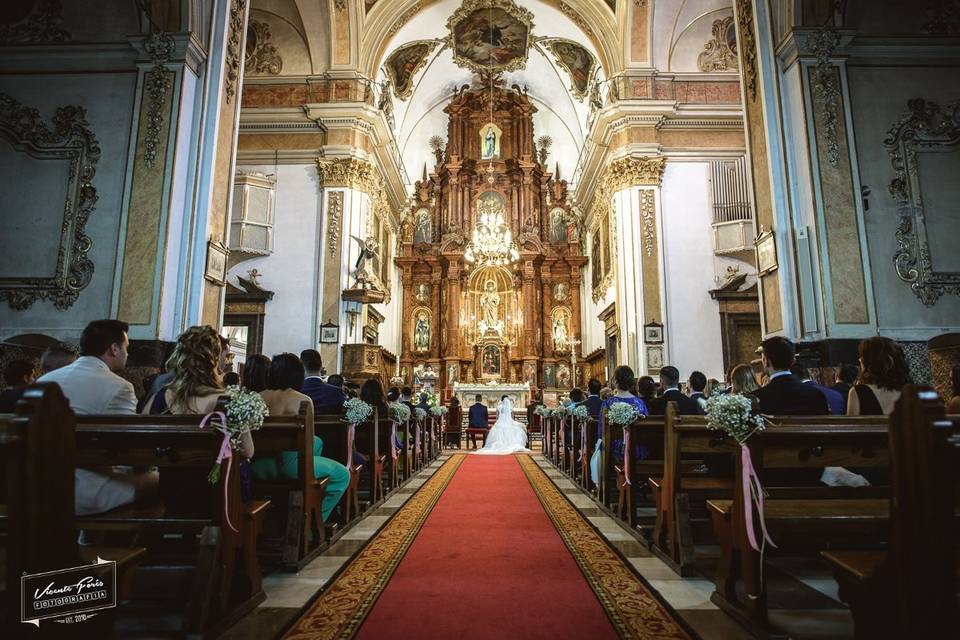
[573,360]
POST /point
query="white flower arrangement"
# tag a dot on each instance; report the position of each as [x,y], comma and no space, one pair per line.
[580,412]
[439,410]
[420,413]
[399,411]
[541,410]
[245,413]
[356,411]
[622,414]
[733,414]
[560,411]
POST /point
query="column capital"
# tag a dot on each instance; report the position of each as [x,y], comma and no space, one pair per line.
[351,173]
[631,172]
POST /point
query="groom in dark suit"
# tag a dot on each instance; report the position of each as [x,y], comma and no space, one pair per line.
[479,419]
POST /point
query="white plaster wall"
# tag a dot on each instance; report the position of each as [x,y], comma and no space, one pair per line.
[878,100]
[291,270]
[108,99]
[693,318]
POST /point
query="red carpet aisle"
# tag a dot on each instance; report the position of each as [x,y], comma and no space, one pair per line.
[488,562]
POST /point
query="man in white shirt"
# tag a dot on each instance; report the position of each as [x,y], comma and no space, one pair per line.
[92,387]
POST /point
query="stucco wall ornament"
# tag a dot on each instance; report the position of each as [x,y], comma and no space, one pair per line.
[160,47]
[72,140]
[826,88]
[42,25]
[262,55]
[334,218]
[925,128]
[748,46]
[234,53]
[720,52]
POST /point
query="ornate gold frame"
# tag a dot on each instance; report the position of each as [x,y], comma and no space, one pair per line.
[469,6]
[925,128]
[70,139]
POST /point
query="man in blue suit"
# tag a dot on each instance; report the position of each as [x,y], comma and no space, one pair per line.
[836,401]
[478,419]
[593,401]
[328,397]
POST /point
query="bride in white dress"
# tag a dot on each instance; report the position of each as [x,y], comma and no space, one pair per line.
[507,435]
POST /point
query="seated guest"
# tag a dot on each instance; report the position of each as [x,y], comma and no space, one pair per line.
[328,397]
[372,393]
[231,379]
[535,402]
[256,372]
[697,382]
[647,389]
[784,394]
[54,358]
[283,398]
[424,402]
[845,379]
[625,380]
[16,375]
[742,380]
[953,405]
[478,418]
[406,397]
[92,386]
[836,402]
[593,397]
[883,372]
[393,394]
[576,397]
[714,386]
[670,383]
[194,389]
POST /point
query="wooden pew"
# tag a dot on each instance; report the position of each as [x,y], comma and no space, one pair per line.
[453,427]
[337,445]
[799,515]
[910,589]
[37,521]
[219,533]
[591,427]
[303,496]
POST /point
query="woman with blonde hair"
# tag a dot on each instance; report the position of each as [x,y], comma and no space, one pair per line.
[197,381]
[742,380]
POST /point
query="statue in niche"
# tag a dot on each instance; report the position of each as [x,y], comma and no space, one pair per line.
[421,332]
[365,272]
[490,142]
[490,308]
[560,334]
[424,231]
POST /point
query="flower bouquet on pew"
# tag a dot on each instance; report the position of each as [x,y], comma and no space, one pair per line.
[245,413]
[356,411]
[439,410]
[420,413]
[560,411]
[733,414]
[399,412]
[623,414]
[580,412]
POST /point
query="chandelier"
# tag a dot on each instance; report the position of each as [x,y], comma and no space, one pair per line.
[492,241]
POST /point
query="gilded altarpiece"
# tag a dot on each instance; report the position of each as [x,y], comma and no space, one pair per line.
[479,320]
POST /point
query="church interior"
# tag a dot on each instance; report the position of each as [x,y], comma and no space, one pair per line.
[425,208]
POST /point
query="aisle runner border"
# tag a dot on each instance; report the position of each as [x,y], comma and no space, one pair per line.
[343,606]
[633,611]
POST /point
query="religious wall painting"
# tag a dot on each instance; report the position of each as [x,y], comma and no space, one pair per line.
[560,328]
[530,374]
[558,225]
[452,373]
[490,141]
[605,245]
[423,227]
[422,292]
[561,291]
[576,61]
[490,36]
[563,375]
[405,374]
[549,376]
[421,330]
[596,264]
[490,361]
[405,62]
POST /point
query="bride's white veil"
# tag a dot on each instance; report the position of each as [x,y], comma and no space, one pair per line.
[505,408]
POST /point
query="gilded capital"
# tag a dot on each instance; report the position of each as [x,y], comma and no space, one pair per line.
[632,172]
[353,173]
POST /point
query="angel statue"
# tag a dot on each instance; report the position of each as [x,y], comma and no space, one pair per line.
[364,272]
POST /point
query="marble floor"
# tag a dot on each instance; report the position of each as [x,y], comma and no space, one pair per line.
[824,618]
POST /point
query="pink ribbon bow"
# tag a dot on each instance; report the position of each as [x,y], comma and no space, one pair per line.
[350,435]
[750,480]
[583,439]
[226,453]
[393,440]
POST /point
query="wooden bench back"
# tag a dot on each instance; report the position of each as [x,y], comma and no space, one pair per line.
[288,433]
[37,453]
[824,441]
[924,449]
[334,432]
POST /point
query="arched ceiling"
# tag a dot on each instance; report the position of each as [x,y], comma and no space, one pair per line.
[561,114]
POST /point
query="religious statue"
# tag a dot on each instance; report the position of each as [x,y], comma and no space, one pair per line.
[421,332]
[364,272]
[560,332]
[490,308]
[489,147]
[563,375]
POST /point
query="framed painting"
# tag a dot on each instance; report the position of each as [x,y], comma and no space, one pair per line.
[490,362]
[490,36]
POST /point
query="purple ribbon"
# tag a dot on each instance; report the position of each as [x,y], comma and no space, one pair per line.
[226,453]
